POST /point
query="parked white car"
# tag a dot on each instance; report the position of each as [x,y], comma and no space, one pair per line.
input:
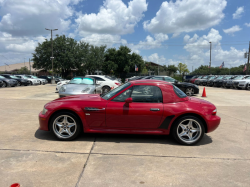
[60,84]
[32,81]
[107,83]
[243,84]
[41,81]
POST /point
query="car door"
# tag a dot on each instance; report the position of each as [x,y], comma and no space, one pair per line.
[145,111]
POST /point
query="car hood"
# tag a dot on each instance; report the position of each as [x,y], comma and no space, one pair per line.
[243,80]
[186,83]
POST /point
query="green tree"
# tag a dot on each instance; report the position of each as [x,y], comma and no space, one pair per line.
[172,69]
[23,70]
[124,60]
[65,55]
[182,68]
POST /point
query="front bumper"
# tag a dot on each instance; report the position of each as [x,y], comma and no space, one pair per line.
[213,122]
[44,120]
[217,84]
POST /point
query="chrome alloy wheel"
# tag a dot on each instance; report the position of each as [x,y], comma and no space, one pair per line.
[189,91]
[64,126]
[189,131]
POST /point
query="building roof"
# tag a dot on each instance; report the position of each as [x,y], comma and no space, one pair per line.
[13,67]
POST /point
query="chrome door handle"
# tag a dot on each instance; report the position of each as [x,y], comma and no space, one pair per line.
[93,109]
[154,109]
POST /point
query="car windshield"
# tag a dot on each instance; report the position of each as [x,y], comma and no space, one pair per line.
[81,80]
[238,77]
[247,78]
[110,94]
[211,78]
[205,77]
[179,93]
[2,77]
[199,77]
[35,77]
[220,78]
[14,77]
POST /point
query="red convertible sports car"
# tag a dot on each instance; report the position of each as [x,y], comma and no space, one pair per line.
[137,107]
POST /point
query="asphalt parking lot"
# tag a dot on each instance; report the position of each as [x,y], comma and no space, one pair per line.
[35,158]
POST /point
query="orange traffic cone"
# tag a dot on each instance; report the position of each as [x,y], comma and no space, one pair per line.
[204,93]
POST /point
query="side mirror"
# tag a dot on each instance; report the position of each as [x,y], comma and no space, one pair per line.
[128,100]
[97,83]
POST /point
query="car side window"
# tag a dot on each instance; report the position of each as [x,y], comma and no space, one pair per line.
[98,78]
[123,96]
[157,78]
[146,94]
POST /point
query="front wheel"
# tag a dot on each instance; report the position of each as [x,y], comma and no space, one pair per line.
[188,130]
[65,126]
[189,91]
[18,83]
[4,84]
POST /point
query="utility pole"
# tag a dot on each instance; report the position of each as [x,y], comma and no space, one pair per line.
[52,57]
[248,60]
[210,58]
[30,66]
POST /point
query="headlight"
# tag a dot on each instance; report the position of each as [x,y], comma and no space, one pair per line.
[62,89]
[44,111]
[85,90]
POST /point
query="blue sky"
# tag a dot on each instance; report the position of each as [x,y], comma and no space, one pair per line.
[164,32]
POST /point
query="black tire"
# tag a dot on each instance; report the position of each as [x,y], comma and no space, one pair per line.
[105,89]
[196,122]
[77,130]
[40,83]
[246,88]
[4,84]
[31,83]
[19,83]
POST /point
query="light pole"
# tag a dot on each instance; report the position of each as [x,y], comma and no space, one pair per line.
[210,58]
[53,80]
[24,62]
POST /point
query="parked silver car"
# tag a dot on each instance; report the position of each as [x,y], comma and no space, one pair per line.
[80,85]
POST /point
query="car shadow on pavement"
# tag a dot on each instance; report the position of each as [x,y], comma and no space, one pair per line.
[122,138]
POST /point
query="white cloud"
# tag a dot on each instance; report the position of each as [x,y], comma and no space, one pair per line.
[186,16]
[103,39]
[24,47]
[199,51]
[114,17]
[232,30]
[155,58]
[30,18]
[247,24]
[238,12]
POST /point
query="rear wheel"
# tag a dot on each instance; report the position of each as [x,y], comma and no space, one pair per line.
[65,126]
[105,89]
[189,91]
[188,130]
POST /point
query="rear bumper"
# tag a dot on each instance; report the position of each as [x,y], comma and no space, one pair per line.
[213,122]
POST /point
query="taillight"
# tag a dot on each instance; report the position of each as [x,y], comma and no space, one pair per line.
[214,112]
[118,84]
